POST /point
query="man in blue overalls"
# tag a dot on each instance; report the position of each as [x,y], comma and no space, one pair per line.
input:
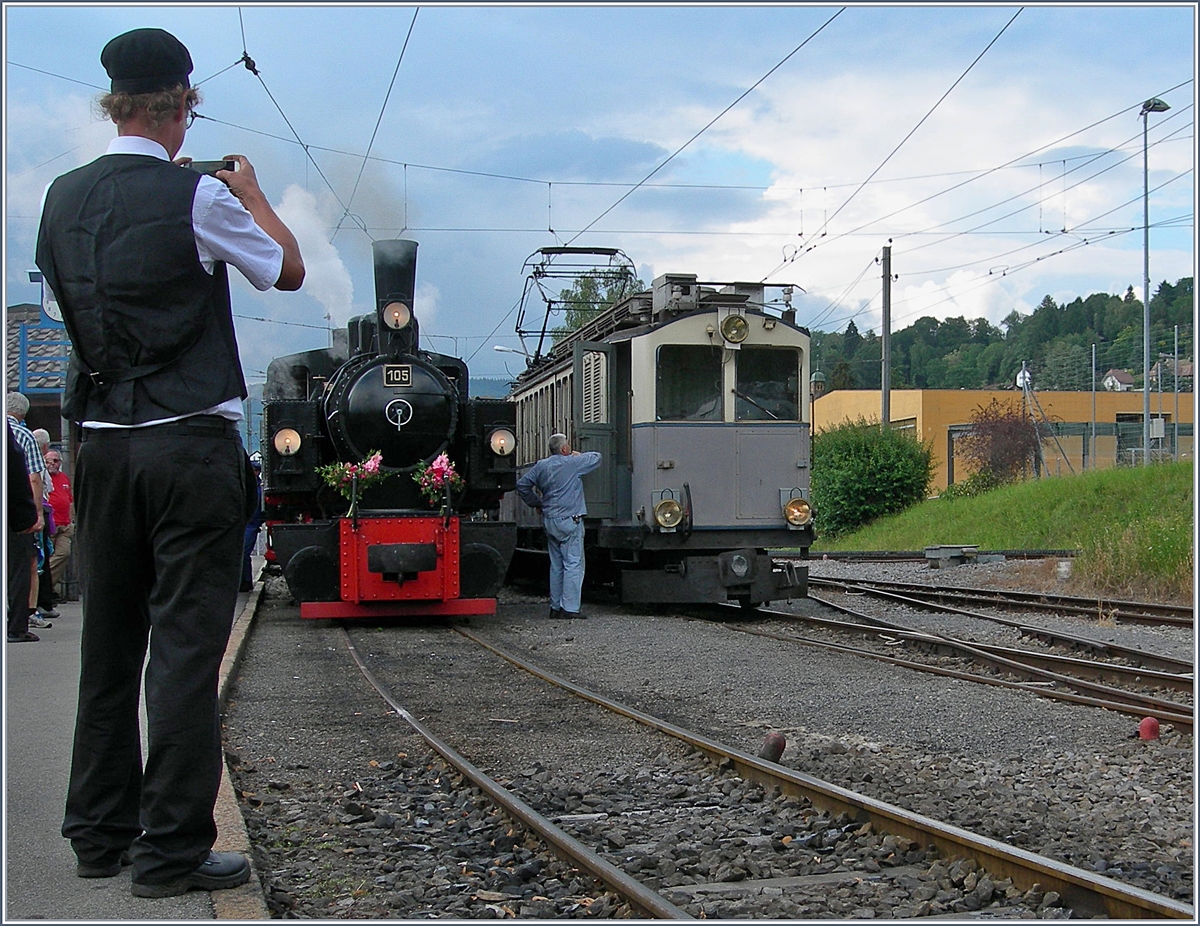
[555,485]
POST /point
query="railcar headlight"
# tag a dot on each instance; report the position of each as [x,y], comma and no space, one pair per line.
[396,315]
[668,513]
[797,512]
[287,441]
[502,441]
[734,328]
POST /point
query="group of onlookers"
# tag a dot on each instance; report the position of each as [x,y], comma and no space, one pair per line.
[39,525]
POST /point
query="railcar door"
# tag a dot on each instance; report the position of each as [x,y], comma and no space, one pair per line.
[595,428]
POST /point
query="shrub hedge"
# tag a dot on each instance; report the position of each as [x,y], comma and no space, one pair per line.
[861,471]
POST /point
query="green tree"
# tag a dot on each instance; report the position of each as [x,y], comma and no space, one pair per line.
[592,293]
[851,340]
[842,377]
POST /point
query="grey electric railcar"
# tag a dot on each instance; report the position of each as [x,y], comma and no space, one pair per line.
[698,398]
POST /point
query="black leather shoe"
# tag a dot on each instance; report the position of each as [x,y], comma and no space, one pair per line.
[27,637]
[574,614]
[557,615]
[219,871]
[97,870]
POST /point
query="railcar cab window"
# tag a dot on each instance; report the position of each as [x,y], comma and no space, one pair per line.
[768,384]
[688,383]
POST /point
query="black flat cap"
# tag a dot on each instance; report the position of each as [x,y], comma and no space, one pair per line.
[146,61]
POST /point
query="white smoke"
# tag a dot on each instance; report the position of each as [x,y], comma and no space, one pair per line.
[325,276]
[425,305]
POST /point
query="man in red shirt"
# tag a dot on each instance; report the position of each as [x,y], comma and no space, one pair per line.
[61,500]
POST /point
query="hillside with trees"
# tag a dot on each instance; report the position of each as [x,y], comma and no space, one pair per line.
[1056,340]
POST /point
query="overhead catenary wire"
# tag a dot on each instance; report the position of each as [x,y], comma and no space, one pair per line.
[978,173]
[1010,270]
[253,69]
[713,122]
[1027,207]
[1008,164]
[313,148]
[858,189]
[382,109]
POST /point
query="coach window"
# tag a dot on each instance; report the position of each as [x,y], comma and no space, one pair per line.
[768,384]
[688,383]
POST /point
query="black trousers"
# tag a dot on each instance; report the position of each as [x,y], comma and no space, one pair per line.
[161,513]
[45,595]
[19,555]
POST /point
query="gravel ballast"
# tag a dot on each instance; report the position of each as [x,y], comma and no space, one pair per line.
[347,811]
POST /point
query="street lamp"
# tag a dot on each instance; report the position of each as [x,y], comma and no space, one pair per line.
[1152,105]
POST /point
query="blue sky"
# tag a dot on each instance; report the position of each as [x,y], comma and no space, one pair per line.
[505,122]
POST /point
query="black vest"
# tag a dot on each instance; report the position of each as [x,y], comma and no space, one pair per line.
[151,330]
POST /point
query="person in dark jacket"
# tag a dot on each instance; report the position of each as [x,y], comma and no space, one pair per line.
[24,519]
[134,247]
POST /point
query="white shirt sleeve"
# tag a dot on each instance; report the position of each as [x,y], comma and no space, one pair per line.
[226,231]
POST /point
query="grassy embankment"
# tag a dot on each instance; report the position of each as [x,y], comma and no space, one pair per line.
[1133,527]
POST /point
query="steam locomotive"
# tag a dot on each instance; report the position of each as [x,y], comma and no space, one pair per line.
[387,549]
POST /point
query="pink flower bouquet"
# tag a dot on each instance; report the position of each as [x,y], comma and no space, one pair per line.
[436,478]
[341,476]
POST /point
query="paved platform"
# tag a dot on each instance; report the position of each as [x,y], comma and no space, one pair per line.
[41,687]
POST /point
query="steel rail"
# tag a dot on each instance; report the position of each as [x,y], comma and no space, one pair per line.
[919,556]
[1116,699]
[1125,702]
[644,900]
[1085,891]
[1134,612]
[1139,656]
[1070,665]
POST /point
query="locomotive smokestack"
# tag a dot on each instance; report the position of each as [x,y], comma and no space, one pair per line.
[395,284]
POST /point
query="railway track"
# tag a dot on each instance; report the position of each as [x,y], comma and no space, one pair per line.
[1048,675]
[829,817]
[1133,612]
[919,556]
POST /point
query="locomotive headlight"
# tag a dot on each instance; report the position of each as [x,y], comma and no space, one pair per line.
[396,315]
[286,441]
[502,441]
[797,511]
[734,328]
[668,513]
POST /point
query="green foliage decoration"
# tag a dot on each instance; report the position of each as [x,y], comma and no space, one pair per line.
[861,471]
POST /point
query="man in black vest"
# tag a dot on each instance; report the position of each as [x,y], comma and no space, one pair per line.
[135,247]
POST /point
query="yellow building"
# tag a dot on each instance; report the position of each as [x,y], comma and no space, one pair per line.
[938,416]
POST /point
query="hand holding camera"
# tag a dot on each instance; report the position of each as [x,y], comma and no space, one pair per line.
[208,167]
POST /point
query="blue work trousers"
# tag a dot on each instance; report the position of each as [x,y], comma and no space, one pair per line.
[564,538]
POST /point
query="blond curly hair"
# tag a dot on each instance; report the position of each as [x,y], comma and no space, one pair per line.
[159,107]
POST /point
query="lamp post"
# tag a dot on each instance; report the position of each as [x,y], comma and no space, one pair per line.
[1152,105]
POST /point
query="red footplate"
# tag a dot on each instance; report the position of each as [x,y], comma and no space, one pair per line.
[424,554]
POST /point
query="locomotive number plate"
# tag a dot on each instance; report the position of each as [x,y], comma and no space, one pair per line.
[397,375]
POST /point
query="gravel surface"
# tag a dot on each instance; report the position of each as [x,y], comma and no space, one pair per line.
[351,818]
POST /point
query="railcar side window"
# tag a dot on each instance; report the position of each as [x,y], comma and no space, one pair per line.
[688,383]
[768,384]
